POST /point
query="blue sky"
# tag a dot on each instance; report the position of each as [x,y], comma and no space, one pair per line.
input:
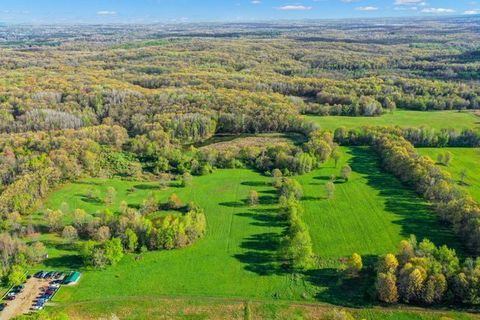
[151,11]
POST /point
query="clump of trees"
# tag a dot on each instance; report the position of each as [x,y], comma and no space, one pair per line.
[290,188]
[352,266]
[329,189]
[253,198]
[346,172]
[445,158]
[106,236]
[422,273]
[102,254]
[16,257]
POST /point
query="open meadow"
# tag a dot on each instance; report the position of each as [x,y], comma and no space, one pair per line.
[404,118]
[373,212]
[465,161]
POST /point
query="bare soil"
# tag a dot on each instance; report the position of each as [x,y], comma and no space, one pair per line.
[24,301]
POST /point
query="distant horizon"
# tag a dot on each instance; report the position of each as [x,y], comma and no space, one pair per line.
[209,11]
[266,21]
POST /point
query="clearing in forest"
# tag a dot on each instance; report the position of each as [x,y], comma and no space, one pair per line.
[369,215]
[404,118]
[464,166]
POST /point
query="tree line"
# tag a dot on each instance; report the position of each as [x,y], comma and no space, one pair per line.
[419,137]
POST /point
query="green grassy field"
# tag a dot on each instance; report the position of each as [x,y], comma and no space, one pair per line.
[463,159]
[404,118]
[369,214]
[238,245]
[238,309]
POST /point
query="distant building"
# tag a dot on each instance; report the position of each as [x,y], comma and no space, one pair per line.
[72,278]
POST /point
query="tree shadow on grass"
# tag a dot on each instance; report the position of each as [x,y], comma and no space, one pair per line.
[64,262]
[263,218]
[146,187]
[268,192]
[66,246]
[261,256]
[261,250]
[267,200]
[89,183]
[233,204]
[91,200]
[310,198]
[323,178]
[415,215]
[338,289]
[255,183]
[175,184]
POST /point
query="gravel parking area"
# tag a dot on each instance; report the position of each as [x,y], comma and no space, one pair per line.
[24,300]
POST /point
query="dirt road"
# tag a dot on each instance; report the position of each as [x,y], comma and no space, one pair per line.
[24,300]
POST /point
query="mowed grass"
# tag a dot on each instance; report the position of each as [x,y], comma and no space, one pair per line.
[234,259]
[467,159]
[370,213]
[404,118]
[238,258]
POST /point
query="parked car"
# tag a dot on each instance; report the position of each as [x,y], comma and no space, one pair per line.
[19,288]
[2,306]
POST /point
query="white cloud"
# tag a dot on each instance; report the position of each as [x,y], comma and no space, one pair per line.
[438,10]
[472,11]
[368,8]
[349,1]
[408,8]
[106,13]
[408,2]
[294,8]
[256,1]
